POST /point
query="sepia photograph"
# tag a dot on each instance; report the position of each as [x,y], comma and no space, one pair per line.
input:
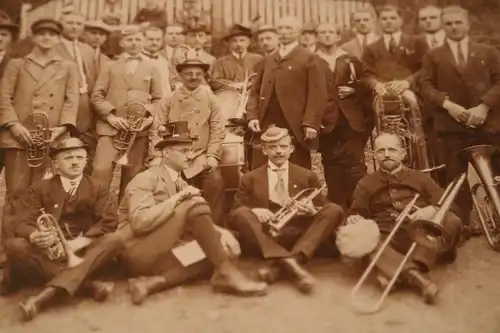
[243,166]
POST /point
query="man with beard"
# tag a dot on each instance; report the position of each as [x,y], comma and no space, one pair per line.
[95,34]
[230,71]
[342,149]
[195,103]
[363,22]
[262,192]
[461,81]
[267,39]
[381,197]
[289,91]
[308,38]
[153,42]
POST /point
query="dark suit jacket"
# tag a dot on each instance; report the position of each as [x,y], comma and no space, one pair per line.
[299,84]
[478,83]
[253,190]
[403,64]
[3,64]
[89,211]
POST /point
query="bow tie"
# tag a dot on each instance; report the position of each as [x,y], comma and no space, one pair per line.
[277,170]
[151,56]
[138,57]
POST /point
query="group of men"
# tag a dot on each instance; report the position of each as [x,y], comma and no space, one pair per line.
[170,224]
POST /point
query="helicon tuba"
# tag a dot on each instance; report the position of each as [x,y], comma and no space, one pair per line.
[489,210]
[124,140]
[60,249]
[395,115]
[37,153]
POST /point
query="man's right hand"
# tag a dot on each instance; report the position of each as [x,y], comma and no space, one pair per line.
[190,191]
[457,112]
[264,215]
[380,89]
[117,122]
[21,133]
[42,239]
[254,125]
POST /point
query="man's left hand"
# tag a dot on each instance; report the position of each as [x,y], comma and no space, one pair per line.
[56,132]
[310,133]
[211,164]
[410,97]
[306,208]
[345,91]
[477,115]
[229,243]
[397,87]
[79,243]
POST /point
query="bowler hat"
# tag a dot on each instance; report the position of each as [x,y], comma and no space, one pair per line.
[238,30]
[46,24]
[175,132]
[99,25]
[7,23]
[67,144]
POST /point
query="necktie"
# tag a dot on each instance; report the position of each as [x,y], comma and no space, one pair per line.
[72,189]
[151,56]
[392,44]
[279,189]
[179,183]
[434,41]
[365,41]
[460,56]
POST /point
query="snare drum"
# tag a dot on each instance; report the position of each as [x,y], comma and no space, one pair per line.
[232,160]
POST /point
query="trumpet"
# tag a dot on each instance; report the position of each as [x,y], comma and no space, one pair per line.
[60,249]
[288,211]
[437,237]
[124,140]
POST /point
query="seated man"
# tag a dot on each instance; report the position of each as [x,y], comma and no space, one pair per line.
[162,218]
[195,103]
[84,216]
[271,186]
[382,196]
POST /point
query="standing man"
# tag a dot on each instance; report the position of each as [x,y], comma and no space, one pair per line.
[230,70]
[429,20]
[363,22]
[153,42]
[343,147]
[95,34]
[132,78]
[289,91]
[70,48]
[195,103]
[174,36]
[461,79]
[308,38]
[267,39]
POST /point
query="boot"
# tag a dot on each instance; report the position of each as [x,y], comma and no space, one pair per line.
[303,280]
[34,304]
[428,289]
[269,274]
[100,290]
[228,279]
[141,288]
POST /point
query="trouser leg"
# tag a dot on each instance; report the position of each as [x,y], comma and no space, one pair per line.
[214,192]
[104,156]
[137,157]
[90,139]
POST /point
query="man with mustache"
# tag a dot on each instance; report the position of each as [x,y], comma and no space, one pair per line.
[153,43]
[195,103]
[262,192]
[363,22]
[230,71]
[267,39]
[381,196]
[308,37]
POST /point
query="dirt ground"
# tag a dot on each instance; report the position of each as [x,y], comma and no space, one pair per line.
[469,302]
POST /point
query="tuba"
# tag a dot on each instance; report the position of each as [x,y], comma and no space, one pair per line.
[38,125]
[489,210]
[60,249]
[395,115]
[124,140]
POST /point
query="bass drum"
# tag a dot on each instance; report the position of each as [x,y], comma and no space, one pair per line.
[232,160]
[228,102]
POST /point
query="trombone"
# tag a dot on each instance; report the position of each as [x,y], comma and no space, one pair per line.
[425,232]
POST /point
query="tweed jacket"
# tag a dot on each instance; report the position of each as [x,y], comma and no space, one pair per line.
[229,69]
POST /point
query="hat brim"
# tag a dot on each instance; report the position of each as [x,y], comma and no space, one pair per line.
[55,151]
[246,34]
[92,27]
[172,142]
[13,28]
[55,30]
[180,67]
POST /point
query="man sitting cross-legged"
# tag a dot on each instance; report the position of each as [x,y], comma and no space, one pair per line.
[169,231]
[84,215]
[271,186]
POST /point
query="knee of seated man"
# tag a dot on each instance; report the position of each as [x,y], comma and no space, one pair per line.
[196,208]
[334,211]
[237,215]
[17,247]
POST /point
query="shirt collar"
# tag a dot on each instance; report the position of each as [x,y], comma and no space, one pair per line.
[172,173]
[338,53]
[151,55]
[369,37]
[398,173]
[439,35]
[464,41]
[67,182]
[396,35]
[53,55]
[288,47]
[127,56]
[238,56]
[273,166]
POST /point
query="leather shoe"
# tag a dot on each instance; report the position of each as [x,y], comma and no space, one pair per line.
[428,289]
[31,307]
[101,290]
[228,279]
[270,274]
[303,280]
[141,288]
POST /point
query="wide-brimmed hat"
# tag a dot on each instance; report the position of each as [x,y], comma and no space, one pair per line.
[7,23]
[46,24]
[238,30]
[98,25]
[175,133]
[67,144]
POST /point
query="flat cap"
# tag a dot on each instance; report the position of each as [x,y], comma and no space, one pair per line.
[46,24]
[67,144]
[130,30]
[265,28]
[7,23]
[274,133]
[99,25]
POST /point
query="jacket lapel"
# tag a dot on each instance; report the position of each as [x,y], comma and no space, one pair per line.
[167,179]
[63,51]
[30,68]
[473,57]
[261,189]
[49,72]
[58,196]
[291,54]
[404,44]
[293,176]
[449,57]
[382,50]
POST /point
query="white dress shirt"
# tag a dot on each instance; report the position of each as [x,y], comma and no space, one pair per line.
[387,38]
[464,43]
[284,50]
[66,182]
[440,37]
[331,58]
[273,179]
